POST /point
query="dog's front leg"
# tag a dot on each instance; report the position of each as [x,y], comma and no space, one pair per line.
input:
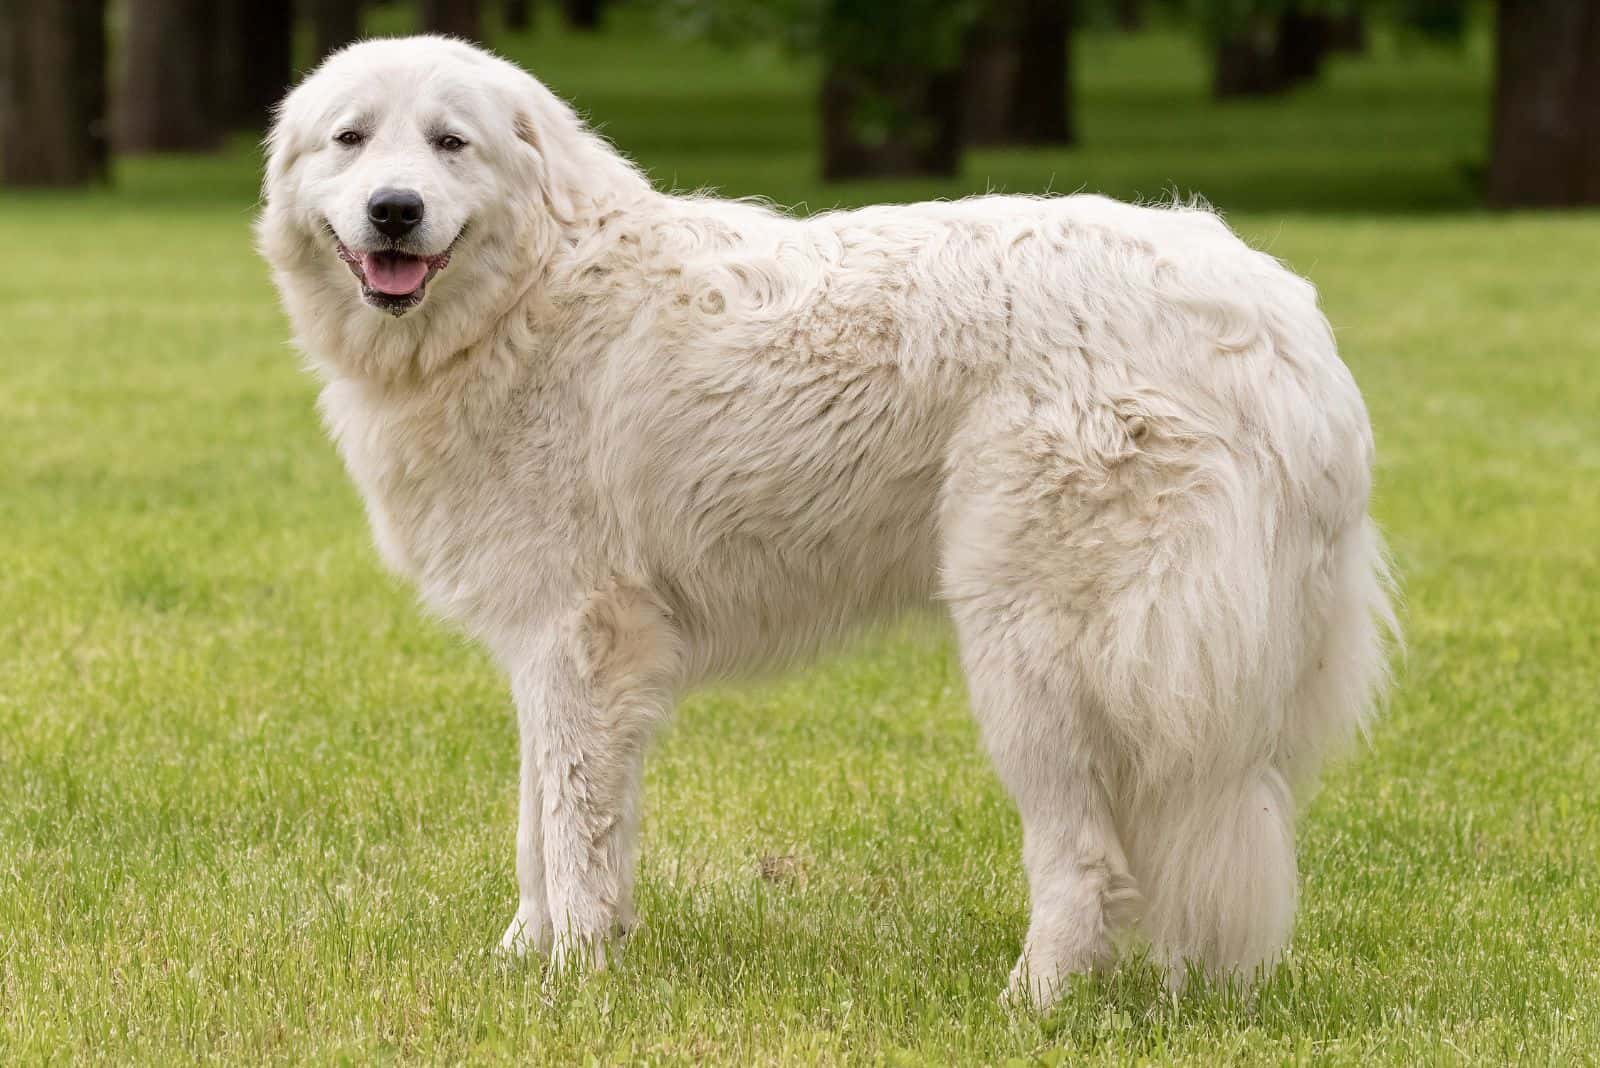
[530,927]
[590,704]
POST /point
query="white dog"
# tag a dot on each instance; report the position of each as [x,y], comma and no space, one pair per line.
[631,441]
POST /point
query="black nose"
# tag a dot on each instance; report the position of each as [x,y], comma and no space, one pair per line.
[395,212]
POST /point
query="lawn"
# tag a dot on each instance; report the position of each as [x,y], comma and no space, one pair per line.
[255,807]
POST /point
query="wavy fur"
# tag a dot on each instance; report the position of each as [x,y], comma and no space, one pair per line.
[633,440]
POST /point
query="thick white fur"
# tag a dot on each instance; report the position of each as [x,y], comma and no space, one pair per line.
[633,440]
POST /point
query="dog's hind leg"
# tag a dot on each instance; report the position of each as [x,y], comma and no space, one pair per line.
[592,694]
[1080,889]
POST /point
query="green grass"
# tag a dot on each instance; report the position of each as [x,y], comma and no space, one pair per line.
[255,807]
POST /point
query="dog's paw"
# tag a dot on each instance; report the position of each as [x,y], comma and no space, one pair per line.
[581,953]
[1033,987]
[1027,993]
[529,933]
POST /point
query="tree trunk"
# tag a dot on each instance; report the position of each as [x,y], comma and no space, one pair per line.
[991,77]
[1018,71]
[1041,112]
[1302,45]
[52,93]
[1347,33]
[334,24]
[1268,55]
[255,59]
[1545,148]
[582,14]
[887,122]
[458,18]
[169,100]
[1130,15]
[518,15]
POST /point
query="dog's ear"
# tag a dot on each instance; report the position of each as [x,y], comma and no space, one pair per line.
[292,135]
[574,167]
[282,148]
[552,169]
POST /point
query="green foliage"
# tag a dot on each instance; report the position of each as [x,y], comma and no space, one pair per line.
[925,34]
[1220,18]
[1439,20]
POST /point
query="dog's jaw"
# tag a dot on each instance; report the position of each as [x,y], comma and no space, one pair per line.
[396,264]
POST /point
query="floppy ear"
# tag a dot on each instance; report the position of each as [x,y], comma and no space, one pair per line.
[575,168]
[286,141]
[551,170]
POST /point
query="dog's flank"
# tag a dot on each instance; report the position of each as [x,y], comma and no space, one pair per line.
[631,441]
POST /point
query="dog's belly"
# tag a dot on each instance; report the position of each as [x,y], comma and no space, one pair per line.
[777,525]
[744,603]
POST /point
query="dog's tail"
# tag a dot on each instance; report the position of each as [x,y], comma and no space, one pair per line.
[1217,869]
[1214,852]
[1346,675]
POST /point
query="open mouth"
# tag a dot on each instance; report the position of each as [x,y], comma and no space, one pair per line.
[392,280]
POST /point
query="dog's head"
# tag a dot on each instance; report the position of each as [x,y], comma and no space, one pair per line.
[414,185]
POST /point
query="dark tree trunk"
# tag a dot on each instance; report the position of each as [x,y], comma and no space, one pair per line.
[458,18]
[1545,147]
[1270,55]
[169,100]
[1247,62]
[1041,110]
[1347,33]
[582,14]
[1302,45]
[1130,15]
[52,92]
[991,77]
[885,122]
[334,24]
[518,15]
[1019,77]
[255,59]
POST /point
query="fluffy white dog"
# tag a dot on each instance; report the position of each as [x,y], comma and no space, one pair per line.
[631,440]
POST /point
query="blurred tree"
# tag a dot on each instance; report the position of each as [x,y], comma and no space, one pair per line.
[1347,32]
[991,75]
[1303,38]
[583,14]
[1018,74]
[167,100]
[1545,148]
[1041,98]
[1266,46]
[459,18]
[255,59]
[52,92]
[1129,15]
[1440,20]
[518,15]
[334,24]
[892,98]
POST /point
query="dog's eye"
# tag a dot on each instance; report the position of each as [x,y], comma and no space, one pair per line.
[350,137]
[451,143]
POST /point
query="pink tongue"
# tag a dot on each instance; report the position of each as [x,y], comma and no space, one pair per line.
[393,275]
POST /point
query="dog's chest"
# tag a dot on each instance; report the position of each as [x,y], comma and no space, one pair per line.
[446,508]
